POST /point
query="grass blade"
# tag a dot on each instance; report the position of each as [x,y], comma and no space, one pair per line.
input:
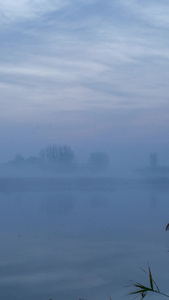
[150,278]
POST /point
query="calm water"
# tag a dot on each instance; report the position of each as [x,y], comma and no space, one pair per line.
[71,245]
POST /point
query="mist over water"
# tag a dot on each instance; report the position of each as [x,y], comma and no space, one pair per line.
[81,243]
[84,156]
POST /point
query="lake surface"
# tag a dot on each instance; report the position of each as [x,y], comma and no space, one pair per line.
[82,244]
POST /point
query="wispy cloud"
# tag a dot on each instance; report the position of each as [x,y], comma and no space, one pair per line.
[79,56]
[154,13]
[20,10]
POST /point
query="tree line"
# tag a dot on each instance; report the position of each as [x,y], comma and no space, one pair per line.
[62,157]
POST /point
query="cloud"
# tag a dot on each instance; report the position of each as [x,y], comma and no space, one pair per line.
[154,13]
[82,56]
[20,10]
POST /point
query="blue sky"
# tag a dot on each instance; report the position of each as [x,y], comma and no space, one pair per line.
[91,74]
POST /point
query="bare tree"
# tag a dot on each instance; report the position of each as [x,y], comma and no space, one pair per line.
[57,154]
[153,160]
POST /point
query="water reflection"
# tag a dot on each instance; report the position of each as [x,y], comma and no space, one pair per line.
[60,204]
[70,245]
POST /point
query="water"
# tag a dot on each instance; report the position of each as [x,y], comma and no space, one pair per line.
[88,244]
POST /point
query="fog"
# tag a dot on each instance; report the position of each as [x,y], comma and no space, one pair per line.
[81,235]
[81,225]
[84,156]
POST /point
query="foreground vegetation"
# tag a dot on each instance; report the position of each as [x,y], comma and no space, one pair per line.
[142,290]
[152,287]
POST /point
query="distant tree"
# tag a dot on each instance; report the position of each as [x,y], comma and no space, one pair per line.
[18,160]
[153,160]
[98,160]
[49,154]
[65,154]
[32,160]
[57,154]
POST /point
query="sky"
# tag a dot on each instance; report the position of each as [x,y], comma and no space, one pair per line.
[91,74]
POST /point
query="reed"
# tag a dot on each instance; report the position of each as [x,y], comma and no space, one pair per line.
[152,287]
[143,290]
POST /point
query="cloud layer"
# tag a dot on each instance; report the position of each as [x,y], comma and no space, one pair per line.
[83,57]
